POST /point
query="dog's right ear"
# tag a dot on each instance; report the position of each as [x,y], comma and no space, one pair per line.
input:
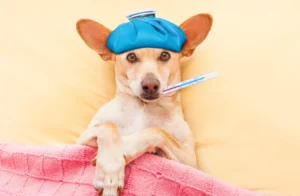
[95,36]
[196,29]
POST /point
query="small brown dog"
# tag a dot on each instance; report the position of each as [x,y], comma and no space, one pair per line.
[140,118]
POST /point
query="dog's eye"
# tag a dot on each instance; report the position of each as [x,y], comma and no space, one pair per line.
[164,56]
[132,58]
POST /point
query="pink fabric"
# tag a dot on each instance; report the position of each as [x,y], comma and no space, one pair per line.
[66,170]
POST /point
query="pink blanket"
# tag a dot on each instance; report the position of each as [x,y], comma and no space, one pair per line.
[66,170]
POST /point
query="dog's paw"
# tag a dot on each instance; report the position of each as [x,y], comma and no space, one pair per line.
[109,179]
[110,184]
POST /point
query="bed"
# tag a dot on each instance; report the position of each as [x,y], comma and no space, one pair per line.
[245,121]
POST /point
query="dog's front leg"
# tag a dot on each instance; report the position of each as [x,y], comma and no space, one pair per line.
[153,139]
[110,162]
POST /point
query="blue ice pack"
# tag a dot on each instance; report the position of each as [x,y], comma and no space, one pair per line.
[144,30]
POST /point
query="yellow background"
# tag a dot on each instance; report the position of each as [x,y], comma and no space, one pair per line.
[247,121]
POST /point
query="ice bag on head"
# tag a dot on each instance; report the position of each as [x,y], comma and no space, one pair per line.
[144,30]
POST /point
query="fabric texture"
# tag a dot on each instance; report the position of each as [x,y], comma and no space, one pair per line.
[67,170]
[146,32]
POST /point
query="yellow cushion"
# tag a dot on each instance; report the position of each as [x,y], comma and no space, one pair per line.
[245,121]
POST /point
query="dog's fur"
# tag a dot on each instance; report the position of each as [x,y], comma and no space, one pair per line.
[132,124]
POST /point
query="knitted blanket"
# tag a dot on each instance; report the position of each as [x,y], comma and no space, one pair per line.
[66,170]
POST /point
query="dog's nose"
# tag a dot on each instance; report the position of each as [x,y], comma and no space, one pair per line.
[150,85]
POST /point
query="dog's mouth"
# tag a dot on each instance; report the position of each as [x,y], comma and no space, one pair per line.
[150,97]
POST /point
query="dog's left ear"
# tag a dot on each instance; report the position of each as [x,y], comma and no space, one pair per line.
[95,36]
[196,29]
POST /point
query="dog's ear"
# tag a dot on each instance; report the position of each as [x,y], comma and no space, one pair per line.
[196,29]
[95,36]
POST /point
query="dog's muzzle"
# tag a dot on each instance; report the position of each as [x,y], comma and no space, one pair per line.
[150,87]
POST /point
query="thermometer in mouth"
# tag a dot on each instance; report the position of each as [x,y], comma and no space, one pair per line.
[189,82]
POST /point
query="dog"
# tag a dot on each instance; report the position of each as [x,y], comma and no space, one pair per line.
[140,118]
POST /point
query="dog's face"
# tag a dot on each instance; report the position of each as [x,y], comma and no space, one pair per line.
[146,72]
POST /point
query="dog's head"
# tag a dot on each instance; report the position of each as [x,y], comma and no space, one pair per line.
[145,72]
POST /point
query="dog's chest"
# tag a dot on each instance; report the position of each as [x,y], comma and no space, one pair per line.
[136,119]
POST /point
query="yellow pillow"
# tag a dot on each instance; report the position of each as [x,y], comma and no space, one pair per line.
[245,121]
